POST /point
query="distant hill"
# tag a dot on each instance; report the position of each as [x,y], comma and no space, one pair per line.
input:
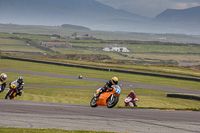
[180,16]
[182,21]
[57,12]
[96,16]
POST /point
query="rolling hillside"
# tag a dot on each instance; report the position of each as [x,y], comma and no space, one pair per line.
[57,12]
[180,16]
[97,16]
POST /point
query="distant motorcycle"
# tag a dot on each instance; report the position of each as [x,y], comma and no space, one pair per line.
[12,92]
[80,77]
[109,98]
[130,102]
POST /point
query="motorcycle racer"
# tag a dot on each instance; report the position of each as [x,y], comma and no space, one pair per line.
[19,84]
[113,81]
[133,96]
[3,77]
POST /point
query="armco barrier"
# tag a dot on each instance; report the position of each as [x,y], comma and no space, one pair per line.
[103,69]
[54,63]
[184,96]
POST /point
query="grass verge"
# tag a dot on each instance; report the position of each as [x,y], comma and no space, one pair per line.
[148,98]
[31,130]
[40,67]
[53,81]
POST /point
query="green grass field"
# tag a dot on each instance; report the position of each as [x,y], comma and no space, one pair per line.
[29,36]
[51,81]
[163,56]
[162,69]
[146,47]
[148,98]
[13,45]
[143,52]
[40,67]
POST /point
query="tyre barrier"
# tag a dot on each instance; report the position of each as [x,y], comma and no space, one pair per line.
[184,96]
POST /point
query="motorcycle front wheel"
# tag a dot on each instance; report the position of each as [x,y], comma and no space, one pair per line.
[93,102]
[113,102]
[9,93]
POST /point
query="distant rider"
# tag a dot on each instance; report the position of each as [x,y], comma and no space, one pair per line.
[113,81]
[133,96]
[19,84]
[3,82]
[80,76]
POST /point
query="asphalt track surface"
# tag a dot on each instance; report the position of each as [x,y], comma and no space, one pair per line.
[30,114]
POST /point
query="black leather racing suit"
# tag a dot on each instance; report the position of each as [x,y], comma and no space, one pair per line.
[105,87]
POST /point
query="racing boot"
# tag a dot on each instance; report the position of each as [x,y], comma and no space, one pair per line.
[97,95]
[20,93]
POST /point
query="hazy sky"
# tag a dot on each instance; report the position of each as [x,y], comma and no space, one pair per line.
[150,8]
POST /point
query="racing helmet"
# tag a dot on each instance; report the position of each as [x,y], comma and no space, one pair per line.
[132,92]
[20,80]
[114,80]
[12,86]
[3,77]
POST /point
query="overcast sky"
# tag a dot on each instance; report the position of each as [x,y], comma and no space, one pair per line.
[150,8]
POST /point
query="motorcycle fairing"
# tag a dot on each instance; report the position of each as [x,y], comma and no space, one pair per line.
[104,96]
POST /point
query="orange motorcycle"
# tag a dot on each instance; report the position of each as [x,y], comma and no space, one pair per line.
[109,98]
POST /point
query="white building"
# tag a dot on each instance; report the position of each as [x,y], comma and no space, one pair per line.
[116,48]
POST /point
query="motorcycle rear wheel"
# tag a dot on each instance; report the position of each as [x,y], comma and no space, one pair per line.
[93,102]
[111,104]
